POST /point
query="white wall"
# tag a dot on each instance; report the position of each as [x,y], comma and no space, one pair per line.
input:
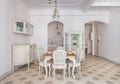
[110,37]
[4,66]
[72,18]
[10,9]
[18,11]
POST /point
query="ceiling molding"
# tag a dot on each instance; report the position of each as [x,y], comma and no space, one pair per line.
[87,4]
[83,5]
[106,3]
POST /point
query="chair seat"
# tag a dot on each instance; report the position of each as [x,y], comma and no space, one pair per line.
[76,65]
[59,66]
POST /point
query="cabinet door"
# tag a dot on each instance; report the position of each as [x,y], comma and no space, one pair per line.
[75,41]
[19,55]
[19,26]
[28,28]
[67,42]
[22,27]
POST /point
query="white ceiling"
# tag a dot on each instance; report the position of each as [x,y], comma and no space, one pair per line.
[83,4]
[39,3]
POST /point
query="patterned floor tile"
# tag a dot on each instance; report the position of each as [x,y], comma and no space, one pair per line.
[89,82]
[49,82]
[96,78]
[109,82]
[29,82]
[9,82]
[95,70]
[69,82]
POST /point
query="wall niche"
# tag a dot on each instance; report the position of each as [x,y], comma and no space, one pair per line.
[55,35]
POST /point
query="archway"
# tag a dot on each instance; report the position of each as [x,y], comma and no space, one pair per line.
[55,35]
[92,37]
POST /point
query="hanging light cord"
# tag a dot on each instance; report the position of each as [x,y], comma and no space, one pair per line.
[55,12]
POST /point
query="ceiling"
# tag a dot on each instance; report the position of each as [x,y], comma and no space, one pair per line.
[83,4]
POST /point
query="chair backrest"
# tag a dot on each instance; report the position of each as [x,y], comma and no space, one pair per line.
[40,52]
[60,48]
[59,57]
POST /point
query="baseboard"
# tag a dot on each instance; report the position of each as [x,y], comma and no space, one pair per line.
[110,60]
[4,75]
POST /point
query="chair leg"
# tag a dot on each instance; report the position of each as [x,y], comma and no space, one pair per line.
[80,70]
[69,71]
[49,70]
[66,72]
[52,71]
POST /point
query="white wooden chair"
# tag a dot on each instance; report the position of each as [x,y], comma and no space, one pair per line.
[78,62]
[59,61]
[40,52]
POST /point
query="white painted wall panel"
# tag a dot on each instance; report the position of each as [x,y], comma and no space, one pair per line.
[73,22]
[10,9]
[110,37]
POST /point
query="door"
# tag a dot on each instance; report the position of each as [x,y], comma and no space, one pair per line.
[95,43]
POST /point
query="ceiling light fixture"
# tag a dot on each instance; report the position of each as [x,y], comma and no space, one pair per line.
[55,12]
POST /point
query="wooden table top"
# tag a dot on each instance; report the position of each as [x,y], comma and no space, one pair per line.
[68,54]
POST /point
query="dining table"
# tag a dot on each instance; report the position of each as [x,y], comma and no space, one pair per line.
[70,55]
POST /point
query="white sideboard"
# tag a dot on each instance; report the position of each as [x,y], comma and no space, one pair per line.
[22,54]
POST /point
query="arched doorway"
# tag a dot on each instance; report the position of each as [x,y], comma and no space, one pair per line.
[92,37]
[55,35]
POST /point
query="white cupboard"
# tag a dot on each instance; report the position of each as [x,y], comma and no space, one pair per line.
[22,54]
[22,27]
[74,40]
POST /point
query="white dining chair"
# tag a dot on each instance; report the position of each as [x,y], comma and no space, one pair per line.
[60,48]
[78,62]
[40,52]
[59,61]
